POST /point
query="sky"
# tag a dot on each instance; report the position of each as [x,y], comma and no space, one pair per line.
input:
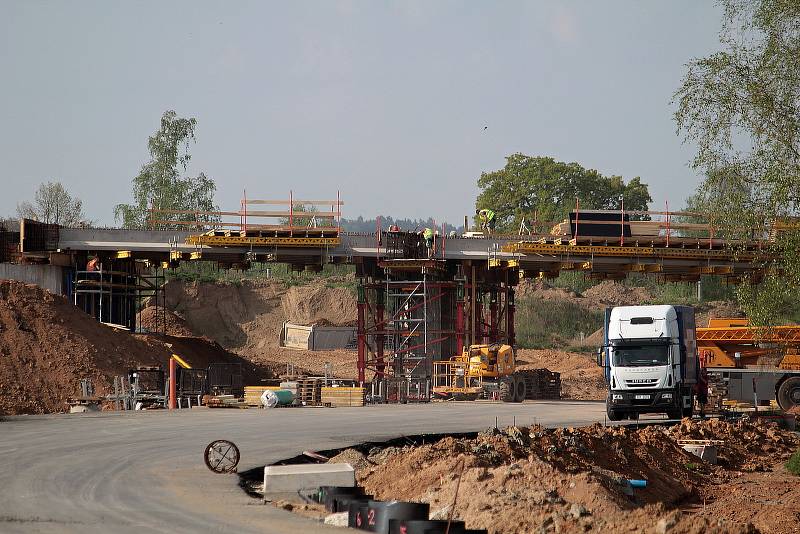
[398,106]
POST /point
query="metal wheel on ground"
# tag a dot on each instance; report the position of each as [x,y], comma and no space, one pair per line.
[221,456]
[789,393]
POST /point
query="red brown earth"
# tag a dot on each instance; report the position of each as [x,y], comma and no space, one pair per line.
[47,345]
[533,479]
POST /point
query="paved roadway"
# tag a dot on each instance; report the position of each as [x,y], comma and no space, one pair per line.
[144,472]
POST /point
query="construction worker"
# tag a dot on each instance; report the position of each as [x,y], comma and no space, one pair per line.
[427,235]
[487,219]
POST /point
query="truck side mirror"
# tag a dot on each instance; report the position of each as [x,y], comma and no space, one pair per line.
[600,356]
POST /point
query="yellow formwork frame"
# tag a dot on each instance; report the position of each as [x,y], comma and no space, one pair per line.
[235,241]
[532,247]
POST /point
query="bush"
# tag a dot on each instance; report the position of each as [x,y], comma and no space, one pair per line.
[553,323]
[793,464]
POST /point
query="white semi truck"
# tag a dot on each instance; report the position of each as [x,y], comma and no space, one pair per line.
[650,359]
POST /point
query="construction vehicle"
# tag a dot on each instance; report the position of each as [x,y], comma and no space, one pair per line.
[650,360]
[751,364]
[490,371]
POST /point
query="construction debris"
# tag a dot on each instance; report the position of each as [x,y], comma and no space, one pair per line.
[576,479]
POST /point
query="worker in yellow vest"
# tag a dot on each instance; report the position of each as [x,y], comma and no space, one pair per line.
[427,235]
[487,218]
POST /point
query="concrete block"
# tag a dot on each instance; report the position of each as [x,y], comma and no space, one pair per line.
[283,479]
[337,520]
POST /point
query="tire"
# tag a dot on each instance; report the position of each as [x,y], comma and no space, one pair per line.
[789,393]
[519,389]
[687,412]
[613,415]
[676,413]
[507,389]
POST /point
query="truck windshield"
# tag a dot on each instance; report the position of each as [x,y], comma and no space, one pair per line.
[641,355]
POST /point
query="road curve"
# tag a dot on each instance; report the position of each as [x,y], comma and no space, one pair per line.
[143,471]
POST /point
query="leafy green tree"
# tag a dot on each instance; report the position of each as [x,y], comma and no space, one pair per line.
[159,184]
[53,204]
[741,107]
[547,188]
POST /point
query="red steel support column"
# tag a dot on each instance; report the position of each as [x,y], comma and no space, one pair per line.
[460,319]
[172,378]
[493,316]
[510,308]
[379,338]
[362,342]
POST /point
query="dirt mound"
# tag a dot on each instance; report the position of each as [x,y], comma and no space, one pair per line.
[319,304]
[714,309]
[610,293]
[47,345]
[581,378]
[570,480]
[159,320]
[747,445]
[540,289]
[247,318]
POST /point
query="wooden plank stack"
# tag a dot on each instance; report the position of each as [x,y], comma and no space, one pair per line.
[342,396]
[541,384]
[309,391]
[252,394]
[223,401]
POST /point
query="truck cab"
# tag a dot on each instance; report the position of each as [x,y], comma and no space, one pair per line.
[650,360]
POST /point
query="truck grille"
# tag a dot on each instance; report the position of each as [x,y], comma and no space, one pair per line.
[642,383]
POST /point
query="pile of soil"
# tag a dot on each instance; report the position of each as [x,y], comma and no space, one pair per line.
[247,318]
[540,289]
[746,447]
[610,293]
[574,480]
[605,294]
[47,345]
[714,309]
[160,320]
[581,378]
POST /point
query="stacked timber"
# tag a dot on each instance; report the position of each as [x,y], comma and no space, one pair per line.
[309,391]
[343,396]
[541,384]
[252,394]
[223,401]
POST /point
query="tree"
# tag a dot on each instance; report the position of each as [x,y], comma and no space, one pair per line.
[52,204]
[543,187]
[159,183]
[741,107]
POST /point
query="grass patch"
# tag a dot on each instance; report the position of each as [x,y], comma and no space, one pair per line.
[553,323]
[210,272]
[691,466]
[793,464]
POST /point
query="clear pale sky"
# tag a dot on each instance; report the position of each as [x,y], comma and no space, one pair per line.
[386,102]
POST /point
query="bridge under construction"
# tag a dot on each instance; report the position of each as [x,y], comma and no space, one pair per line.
[418,302]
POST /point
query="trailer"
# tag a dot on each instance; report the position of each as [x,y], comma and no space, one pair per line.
[751,364]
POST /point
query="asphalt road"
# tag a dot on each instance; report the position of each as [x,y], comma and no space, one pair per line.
[144,471]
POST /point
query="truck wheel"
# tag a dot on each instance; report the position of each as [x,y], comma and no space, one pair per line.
[613,415]
[687,412]
[519,389]
[507,389]
[789,393]
[674,414]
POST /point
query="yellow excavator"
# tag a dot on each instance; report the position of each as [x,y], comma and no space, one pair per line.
[480,370]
